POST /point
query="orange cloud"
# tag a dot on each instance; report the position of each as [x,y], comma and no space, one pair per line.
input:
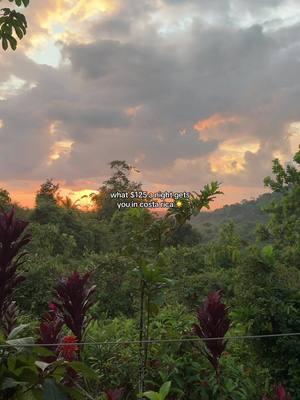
[229,158]
[227,164]
[69,12]
[294,136]
[209,128]
[64,20]
[59,149]
[132,111]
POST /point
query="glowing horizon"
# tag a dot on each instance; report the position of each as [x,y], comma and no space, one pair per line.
[231,196]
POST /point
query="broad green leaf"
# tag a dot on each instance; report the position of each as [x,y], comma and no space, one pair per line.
[11,362]
[42,351]
[28,374]
[83,369]
[13,42]
[21,343]
[165,389]
[15,332]
[4,43]
[52,391]
[19,32]
[10,383]
[152,395]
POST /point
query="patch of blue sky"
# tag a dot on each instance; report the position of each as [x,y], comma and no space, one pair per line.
[48,53]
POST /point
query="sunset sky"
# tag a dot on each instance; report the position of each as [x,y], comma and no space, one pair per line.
[188,91]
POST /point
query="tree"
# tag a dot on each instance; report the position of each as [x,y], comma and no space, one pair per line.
[12,24]
[48,191]
[118,182]
[283,229]
[68,203]
[5,200]
[47,209]
[224,252]
[268,280]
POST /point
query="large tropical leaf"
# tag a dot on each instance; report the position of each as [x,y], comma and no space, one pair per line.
[52,391]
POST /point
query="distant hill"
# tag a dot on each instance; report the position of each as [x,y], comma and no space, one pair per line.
[245,215]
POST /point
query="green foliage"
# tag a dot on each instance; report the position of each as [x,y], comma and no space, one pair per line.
[115,364]
[285,178]
[185,235]
[283,229]
[161,395]
[129,228]
[192,206]
[116,284]
[5,200]
[41,275]
[23,376]
[118,182]
[195,275]
[267,302]
[13,25]
[245,215]
[151,275]
[225,251]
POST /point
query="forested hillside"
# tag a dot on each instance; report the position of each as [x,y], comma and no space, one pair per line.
[246,215]
[123,304]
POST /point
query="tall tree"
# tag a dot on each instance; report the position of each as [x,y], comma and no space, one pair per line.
[283,229]
[118,182]
[5,200]
[267,280]
[47,209]
[48,191]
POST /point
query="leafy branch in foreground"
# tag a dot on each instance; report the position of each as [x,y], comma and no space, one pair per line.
[284,177]
[12,24]
[187,208]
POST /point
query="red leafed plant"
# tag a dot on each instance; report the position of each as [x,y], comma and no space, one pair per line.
[114,394]
[73,297]
[213,322]
[12,240]
[49,330]
[279,394]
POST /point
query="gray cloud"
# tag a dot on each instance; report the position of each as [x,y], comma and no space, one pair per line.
[130,93]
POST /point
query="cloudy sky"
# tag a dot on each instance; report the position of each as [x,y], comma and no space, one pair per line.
[188,91]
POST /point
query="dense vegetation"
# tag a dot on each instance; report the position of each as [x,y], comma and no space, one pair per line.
[245,215]
[146,293]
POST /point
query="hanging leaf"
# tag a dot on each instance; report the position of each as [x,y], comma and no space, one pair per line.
[83,369]
[15,332]
[52,391]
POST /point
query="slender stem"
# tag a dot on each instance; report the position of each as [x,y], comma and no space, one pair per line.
[141,347]
[82,390]
[146,347]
